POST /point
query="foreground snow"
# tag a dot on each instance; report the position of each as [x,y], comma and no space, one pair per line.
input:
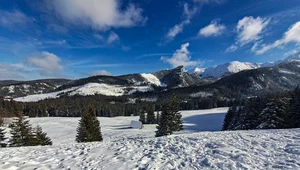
[125,148]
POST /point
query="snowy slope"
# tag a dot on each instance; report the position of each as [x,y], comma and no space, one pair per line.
[151,79]
[86,90]
[96,88]
[125,148]
[38,97]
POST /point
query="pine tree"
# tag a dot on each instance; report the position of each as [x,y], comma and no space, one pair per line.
[274,115]
[21,132]
[170,119]
[2,138]
[293,120]
[142,117]
[229,118]
[89,127]
[175,108]
[252,112]
[41,137]
[151,116]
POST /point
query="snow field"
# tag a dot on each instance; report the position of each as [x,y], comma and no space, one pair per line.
[123,148]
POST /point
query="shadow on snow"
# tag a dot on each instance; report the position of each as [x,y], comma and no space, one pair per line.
[204,122]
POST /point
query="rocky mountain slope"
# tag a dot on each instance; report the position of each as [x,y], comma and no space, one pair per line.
[22,88]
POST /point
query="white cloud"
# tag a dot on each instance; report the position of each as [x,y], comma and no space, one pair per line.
[113,37]
[214,29]
[249,29]
[99,14]
[178,28]
[48,64]
[291,35]
[98,73]
[13,19]
[232,48]
[181,57]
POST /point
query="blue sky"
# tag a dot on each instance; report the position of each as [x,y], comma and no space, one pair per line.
[76,38]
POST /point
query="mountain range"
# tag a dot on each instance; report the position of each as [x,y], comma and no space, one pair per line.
[234,78]
[236,66]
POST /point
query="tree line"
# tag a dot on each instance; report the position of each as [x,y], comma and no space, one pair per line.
[105,106]
[272,111]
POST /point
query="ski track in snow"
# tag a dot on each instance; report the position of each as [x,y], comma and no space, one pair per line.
[124,148]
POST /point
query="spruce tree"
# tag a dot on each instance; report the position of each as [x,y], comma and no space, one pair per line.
[229,118]
[293,120]
[274,115]
[252,112]
[41,137]
[21,132]
[89,127]
[142,117]
[175,108]
[2,138]
[151,116]
[170,119]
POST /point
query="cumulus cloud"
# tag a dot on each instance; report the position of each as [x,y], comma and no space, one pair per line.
[113,37]
[213,29]
[181,57]
[14,18]
[249,30]
[48,64]
[98,14]
[98,73]
[292,35]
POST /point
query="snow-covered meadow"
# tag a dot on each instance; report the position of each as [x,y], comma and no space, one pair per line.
[199,146]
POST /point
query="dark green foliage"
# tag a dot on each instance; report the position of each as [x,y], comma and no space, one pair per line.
[89,127]
[142,117]
[41,137]
[294,109]
[274,115]
[2,138]
[271,111]
[151,116]
[170,119]
[229,117]
[252,112]
[21,132]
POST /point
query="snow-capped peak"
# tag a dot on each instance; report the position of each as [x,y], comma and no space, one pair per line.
[220,70]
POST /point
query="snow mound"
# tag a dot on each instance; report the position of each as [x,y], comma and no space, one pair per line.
[151,79]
